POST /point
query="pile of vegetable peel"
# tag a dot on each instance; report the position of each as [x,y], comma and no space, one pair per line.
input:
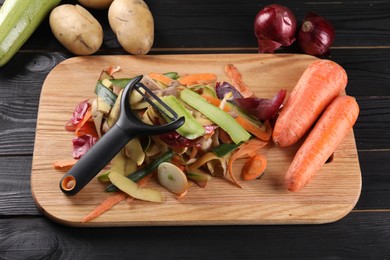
[225,122]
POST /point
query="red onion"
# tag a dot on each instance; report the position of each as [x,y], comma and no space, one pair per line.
[274,26]
[174,139]
[78,115]
[224,88]
[263,109]
[82,144]
[316,35]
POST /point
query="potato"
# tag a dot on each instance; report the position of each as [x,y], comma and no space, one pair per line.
[133,25]
[96,4]
[76,29]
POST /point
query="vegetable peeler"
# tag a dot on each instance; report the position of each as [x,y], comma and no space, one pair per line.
[126,128]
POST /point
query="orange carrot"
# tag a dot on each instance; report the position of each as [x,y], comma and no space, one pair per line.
[264,133]
[64,165]
[106,205]
[111,70]
[197,78]
[254,129]
[84,127]
[319,84]
[111,201]
[183,194]
[251,146]
[254,167]
[237,82]
[87,128]
[161,77]
[328,132]
[215,101]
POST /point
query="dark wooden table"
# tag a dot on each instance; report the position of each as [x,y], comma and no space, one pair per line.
[362,47]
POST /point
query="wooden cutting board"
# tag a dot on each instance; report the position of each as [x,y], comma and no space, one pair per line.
[330,196]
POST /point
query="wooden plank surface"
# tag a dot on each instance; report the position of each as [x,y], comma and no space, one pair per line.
[348,238]
[329,197]
[229,24]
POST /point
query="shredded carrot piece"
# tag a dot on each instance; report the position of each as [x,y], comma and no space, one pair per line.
[253,145]
[198,78]
[182,195]
[112,70]
[254,167]
[64,165]
[84,126]
[106,205]
[87,128]
[215,101]
[237,82]
[253,129]
[111,201]
[161,77]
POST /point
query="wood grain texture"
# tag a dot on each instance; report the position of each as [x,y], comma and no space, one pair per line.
[328,198]
[15,192]
[368,81]
[229,24]
[376,180]
[375,113]
[19,107]
[361,45]
[357,236]
[367,69]
[20,86]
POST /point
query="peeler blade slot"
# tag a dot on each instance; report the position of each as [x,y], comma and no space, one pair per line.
[172,115]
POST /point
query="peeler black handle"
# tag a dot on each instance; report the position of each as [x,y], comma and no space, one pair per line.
[126,128]
[100,154]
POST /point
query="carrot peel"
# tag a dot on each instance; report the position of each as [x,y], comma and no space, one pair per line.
[237,82]
[161,77]
[104,206]
[254,167]
[84,126]
[251,146]
[64,165]
[112,200]
[197,78]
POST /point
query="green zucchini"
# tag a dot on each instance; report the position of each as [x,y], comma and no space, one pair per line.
[215,114]
[172,75]
[143,171]
[104,176]
[224,149]
[121,83]
[18,20]
[199,177]
[191,128]
[105,93]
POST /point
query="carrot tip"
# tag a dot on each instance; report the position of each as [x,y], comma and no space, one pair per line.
[294,186]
